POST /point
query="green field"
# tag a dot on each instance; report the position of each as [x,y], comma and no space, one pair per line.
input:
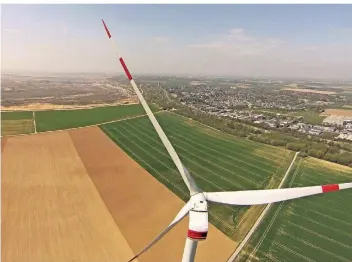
[15,123]
[64,119]
[310,117]
[316,228]
[216,160]
[16,115]
[272,110]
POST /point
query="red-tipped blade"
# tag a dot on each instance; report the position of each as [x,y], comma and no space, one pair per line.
[191,184]
[259,197]
[106,29]
[128,74]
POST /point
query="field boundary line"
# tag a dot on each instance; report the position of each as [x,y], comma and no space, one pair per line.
[35,126]
[262,215]
[79,127]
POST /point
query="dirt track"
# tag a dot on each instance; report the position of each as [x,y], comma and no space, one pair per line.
[51,210]
[140,205]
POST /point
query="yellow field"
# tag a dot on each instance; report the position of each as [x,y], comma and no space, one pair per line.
[15,127]
[51,210]
[304,90]
[48,106]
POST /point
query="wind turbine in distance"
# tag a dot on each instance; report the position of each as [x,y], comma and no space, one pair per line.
[197,206]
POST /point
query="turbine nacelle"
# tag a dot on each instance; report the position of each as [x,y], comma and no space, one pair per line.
[198,218]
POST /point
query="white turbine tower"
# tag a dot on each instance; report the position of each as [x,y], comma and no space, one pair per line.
[197,206]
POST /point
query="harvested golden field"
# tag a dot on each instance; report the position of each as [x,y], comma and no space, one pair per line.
[51,210]
[15,127]
[337,112]
[304,90]
[140,205]
[76,196]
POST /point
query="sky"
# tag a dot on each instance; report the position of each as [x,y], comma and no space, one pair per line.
[311,41]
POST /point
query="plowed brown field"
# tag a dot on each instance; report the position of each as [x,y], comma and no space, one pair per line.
[76,196]
[3,144]
[51,210]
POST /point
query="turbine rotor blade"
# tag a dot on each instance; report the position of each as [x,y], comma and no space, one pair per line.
[191,184]
[183,212]
[259,197]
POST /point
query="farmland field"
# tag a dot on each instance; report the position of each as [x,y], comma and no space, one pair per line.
[15,123]
[316,228]
[16,115]
[51,210]
[64,119]
[217,161]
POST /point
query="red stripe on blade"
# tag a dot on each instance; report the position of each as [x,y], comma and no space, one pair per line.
[197,235]
[126,69]
[106,29]
[329,188]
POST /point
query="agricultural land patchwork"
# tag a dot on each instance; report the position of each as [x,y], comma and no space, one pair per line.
[309,229]
[26,122]
[76,196]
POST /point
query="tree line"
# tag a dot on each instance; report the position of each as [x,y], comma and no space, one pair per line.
[321,148]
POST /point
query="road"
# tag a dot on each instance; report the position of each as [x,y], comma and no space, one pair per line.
[259,220]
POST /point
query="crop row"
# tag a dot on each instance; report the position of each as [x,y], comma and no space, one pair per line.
[316,228]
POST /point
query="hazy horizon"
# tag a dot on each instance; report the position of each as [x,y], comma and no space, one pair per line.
[273,41]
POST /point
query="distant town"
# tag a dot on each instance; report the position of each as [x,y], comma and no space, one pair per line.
[307,106]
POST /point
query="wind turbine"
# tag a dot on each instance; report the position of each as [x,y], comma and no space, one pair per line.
[197,206]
